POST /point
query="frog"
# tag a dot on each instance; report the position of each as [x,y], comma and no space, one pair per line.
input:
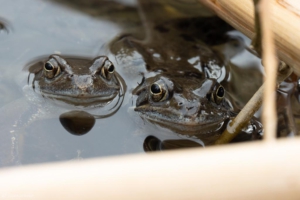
[175,46]
[180,55]
[82,82]
[189,104]
[70,88]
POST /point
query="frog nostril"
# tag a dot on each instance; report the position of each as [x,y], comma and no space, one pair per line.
[180,104]
[208,96]
[141,100]
[189,108]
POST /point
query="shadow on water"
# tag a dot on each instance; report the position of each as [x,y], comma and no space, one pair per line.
[152,143]
[124,12]
[4,25]
[77,122]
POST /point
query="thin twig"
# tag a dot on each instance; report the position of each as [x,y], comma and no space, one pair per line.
[256,43]
[243,118]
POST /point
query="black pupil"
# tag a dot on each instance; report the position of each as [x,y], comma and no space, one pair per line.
[155,89]
[111,68]
[48,66]
[220,92]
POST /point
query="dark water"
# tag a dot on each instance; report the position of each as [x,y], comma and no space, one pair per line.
[31,131]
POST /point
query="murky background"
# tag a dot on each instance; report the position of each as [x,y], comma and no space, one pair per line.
[29,126]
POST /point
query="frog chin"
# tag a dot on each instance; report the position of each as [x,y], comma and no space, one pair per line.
[193,126]
[83,100]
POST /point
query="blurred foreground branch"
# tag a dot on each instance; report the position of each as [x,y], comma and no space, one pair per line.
[285,19]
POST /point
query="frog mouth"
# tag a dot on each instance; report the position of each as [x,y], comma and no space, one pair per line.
[184,125]
[82,99]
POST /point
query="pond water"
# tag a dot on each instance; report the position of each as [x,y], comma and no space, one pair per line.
[31,131]
[39,28]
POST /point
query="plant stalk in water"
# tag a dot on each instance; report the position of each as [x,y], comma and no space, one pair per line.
[266,93]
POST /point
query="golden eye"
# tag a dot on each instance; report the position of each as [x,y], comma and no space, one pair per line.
[158,91]
[51,69]
[107,70]
[218,95]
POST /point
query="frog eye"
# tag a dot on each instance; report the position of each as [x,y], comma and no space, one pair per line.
[51,69]
[218,95]
[158,91]
[107,69]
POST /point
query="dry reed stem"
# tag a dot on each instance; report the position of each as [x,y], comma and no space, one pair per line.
[256,43]
[242,119]
[266,93]
[286,20]
[269,114]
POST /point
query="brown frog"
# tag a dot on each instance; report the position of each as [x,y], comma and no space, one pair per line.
[188,104]
[182,89]
[77,81]
[175,45]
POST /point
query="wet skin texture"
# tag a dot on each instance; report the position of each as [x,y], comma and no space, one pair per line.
[175,45]
[188,104]
[185,95]
[77,81]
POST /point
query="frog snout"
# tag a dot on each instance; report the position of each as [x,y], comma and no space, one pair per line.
[83,82]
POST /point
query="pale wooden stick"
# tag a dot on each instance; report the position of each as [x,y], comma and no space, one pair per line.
[238,171]
[269,114]
[242,119]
